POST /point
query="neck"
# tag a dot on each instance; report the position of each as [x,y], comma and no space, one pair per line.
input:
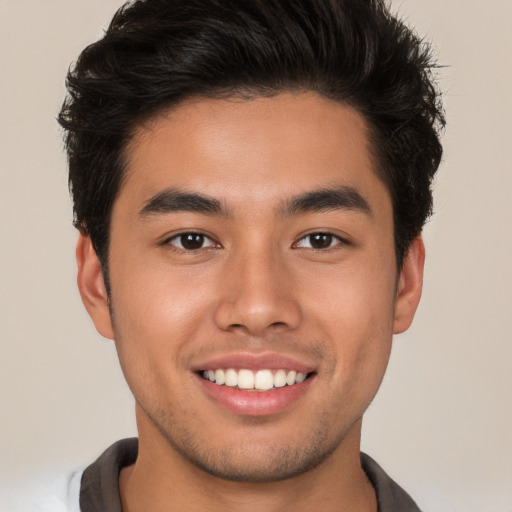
[162,480]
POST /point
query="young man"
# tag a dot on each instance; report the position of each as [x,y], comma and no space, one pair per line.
[250,181]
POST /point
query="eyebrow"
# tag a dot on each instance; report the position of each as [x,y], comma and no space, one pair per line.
[327,199]
[173,201]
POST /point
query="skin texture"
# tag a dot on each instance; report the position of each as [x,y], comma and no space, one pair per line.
[256,286]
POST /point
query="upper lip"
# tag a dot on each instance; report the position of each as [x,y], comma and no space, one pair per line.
[250,361]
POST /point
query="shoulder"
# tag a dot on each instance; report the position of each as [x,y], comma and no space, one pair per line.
[99,486]
[390,496]
[92,488]
[46,493]
[431,496]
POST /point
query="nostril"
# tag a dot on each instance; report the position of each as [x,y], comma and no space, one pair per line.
[278,324]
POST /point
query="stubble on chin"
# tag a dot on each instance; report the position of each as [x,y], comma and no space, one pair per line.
[251,461]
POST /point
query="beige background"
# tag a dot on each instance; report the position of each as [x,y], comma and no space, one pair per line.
[442,422]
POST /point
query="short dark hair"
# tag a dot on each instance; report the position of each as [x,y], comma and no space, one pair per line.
[156,53]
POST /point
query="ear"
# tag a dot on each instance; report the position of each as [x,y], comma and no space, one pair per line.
[410,284]
[92,286]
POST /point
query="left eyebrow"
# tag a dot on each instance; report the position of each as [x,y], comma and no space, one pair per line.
[174,201]
[326,199]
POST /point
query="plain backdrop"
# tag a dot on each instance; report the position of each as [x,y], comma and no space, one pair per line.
[442,422]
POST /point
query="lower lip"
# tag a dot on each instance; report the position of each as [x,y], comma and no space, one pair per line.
[255,403]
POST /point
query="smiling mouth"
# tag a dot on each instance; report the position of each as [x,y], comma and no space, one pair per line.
[249,380]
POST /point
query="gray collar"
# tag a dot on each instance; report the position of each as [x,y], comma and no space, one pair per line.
[99,489]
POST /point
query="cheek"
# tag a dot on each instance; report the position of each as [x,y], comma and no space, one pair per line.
[353,301]
[158,301]
[353,312]
[155,314]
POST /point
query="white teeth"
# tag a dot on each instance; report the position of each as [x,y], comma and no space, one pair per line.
[245,379]
[301,377]
[262,380]
[219,377]
[280,379]
[231,378]
[290,378]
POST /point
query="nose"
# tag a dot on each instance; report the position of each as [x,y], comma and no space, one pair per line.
[258,296]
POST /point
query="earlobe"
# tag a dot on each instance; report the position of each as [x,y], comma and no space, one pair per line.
[409,287]
[92,286]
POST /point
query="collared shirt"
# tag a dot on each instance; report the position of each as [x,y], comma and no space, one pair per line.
[99,489]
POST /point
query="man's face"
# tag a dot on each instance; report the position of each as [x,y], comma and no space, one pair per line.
[255,237]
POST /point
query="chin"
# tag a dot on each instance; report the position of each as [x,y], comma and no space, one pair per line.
[263,460]
[262,467]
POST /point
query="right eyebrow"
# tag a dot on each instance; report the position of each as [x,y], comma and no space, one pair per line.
[173,201]
[327,199]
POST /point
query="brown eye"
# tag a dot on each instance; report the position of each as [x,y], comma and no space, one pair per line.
[319,241]
[191,241]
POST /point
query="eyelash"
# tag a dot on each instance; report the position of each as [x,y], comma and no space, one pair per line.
[330,236]
[179,238]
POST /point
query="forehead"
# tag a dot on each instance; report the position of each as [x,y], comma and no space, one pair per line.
[258,150]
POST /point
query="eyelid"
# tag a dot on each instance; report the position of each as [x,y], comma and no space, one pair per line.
[169,239]
[336,238]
